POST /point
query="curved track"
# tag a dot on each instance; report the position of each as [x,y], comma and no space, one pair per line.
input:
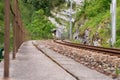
[110,51]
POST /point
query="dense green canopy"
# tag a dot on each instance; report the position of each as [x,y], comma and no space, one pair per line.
[46,5]
[35,14]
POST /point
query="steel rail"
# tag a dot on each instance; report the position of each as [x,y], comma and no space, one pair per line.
[95,46]
[110,51]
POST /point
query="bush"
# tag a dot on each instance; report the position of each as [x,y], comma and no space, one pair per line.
[41,27]
[117,44]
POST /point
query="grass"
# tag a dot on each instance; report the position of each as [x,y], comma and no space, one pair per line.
[102,20]
[117,71]
[76,41]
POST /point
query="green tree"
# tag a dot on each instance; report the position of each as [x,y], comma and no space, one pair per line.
[40,27]
[46,5]
[1,23]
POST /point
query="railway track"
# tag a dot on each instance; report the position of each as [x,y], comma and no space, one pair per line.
[110,51]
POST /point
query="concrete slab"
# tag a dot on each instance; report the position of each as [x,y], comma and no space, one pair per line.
[31,64]
[80,71]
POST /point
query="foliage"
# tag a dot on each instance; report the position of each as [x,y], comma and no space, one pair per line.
[92,7]
[96,16]
[34,15]
[36,21]
[40,27]
[26,10]
[117,71]
[1,23]
[117,44]
[46,5]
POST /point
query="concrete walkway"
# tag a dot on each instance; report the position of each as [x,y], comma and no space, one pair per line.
[31,64]
[78,70]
